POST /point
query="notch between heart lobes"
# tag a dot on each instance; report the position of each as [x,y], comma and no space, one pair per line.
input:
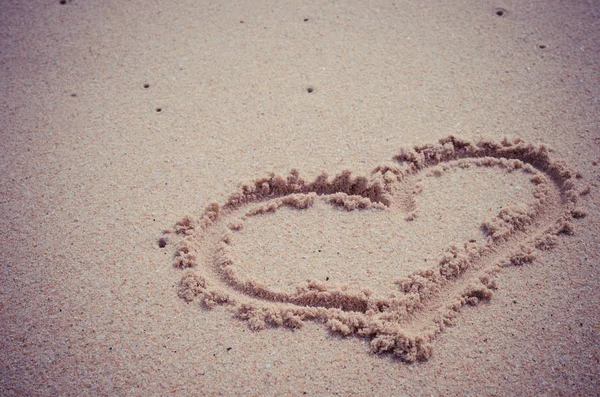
[410,281]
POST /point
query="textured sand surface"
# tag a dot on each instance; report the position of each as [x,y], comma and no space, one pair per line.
[156,240]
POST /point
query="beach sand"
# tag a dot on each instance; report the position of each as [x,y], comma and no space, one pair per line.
[298,198]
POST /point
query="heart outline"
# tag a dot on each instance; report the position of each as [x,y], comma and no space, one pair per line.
[385,321]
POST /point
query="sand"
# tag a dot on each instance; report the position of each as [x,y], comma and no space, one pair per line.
[287,198]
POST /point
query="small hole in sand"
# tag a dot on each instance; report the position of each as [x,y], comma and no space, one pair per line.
[146,85]
[305,19]
[62,2]
[500,12]
[158,110]
[162,242]
[310,90]
[542,46]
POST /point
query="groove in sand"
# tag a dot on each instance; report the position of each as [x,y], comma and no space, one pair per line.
[404,318]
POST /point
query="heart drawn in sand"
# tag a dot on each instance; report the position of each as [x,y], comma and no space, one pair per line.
[401,306]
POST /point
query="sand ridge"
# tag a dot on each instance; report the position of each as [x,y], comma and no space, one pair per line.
[405,319]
